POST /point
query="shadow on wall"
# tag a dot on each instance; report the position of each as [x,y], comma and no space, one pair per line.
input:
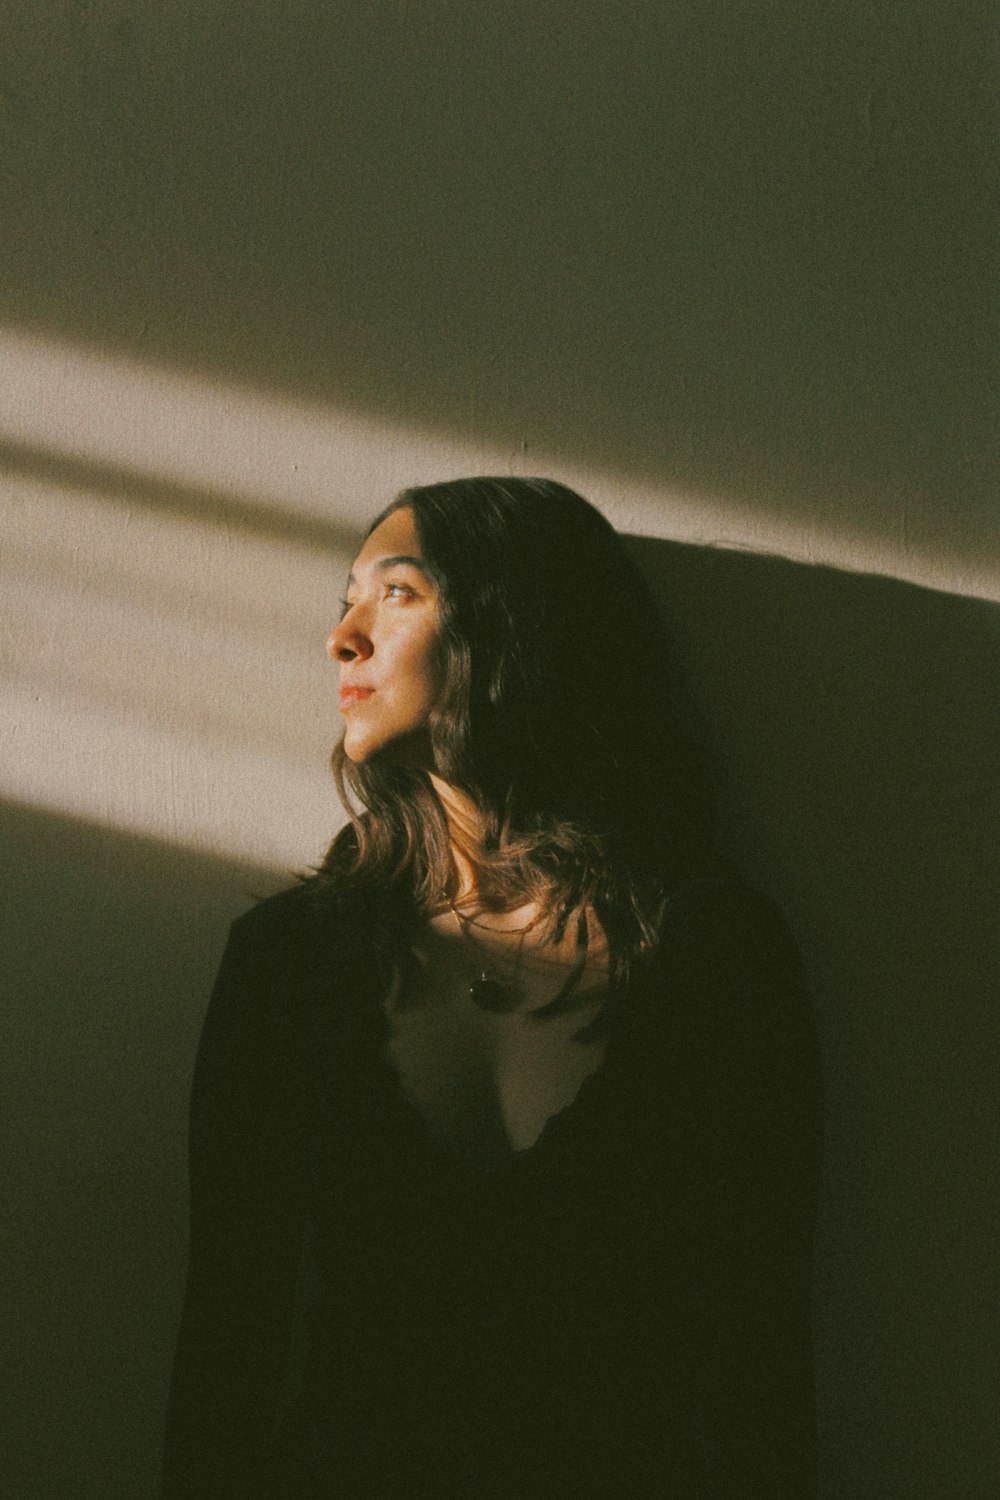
[853,721]
[109,944]
[745,249]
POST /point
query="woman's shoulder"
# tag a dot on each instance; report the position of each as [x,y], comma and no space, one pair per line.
[277,926]
[722,914]
[732,963]
[321,924]
[293,910]
[317,906]
[297,974]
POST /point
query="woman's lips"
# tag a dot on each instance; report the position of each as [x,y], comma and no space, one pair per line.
[351,695]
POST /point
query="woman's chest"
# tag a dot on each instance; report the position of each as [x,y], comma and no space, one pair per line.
[487,1084]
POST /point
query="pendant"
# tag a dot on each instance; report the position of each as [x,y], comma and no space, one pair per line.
[488,993]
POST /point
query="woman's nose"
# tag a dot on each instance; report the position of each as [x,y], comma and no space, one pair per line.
[346,642]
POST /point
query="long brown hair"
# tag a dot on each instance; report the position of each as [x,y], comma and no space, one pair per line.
[554,718]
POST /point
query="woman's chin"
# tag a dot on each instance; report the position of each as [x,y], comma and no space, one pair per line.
[412,750]
[357,749]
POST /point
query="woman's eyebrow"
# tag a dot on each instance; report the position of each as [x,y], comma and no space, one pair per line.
[385,563]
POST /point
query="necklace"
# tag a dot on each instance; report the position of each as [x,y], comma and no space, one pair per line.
[484,927]
[490,990]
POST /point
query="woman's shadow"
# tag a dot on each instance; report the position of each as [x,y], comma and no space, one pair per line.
[854,726]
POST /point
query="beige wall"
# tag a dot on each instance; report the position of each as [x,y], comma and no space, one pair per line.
[725,267]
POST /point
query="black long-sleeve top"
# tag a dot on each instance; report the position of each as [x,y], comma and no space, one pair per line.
[620,1311]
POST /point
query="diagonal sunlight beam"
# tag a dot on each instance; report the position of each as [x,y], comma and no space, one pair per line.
[189,444]
[172,553]
[239,801]
[167,677]
[145,433]
[123,486]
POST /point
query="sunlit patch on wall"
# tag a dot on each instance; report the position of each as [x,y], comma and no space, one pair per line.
[172,558]
[172,554]
[166,680]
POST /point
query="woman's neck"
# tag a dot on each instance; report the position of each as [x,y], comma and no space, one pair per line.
[465,827]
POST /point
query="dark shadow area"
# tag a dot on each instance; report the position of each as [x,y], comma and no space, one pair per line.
[109,945]
[744,249]
[853,724]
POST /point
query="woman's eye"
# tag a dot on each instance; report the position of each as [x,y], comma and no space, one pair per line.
[392,591]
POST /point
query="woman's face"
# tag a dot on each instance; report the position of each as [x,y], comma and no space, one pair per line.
[386,643]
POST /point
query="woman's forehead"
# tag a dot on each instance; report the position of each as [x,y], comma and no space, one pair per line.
[395,535]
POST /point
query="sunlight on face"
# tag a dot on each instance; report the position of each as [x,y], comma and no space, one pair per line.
[387,644]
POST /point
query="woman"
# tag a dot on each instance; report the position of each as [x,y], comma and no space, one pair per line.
[524,1066]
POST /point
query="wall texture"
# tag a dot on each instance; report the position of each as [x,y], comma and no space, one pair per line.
[727,266]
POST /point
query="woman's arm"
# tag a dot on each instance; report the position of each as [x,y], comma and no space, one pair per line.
[246,1232]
